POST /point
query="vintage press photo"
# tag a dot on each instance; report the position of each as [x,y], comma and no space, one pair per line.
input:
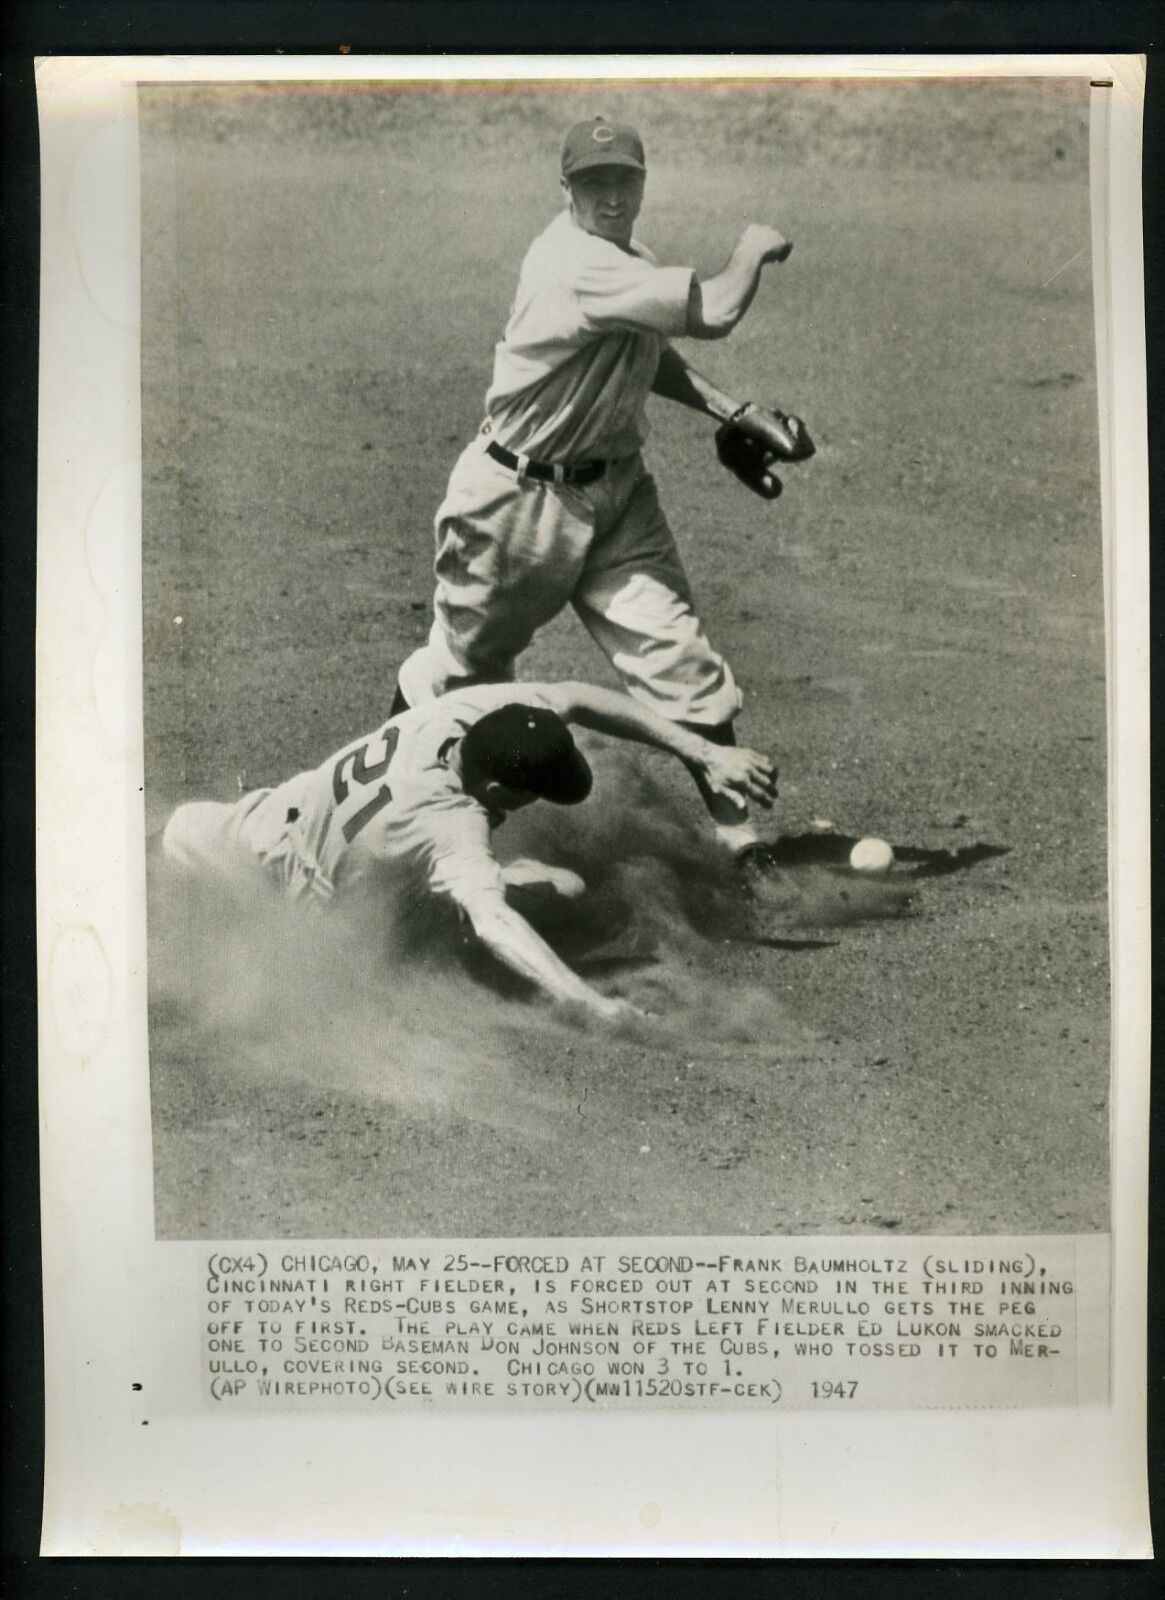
[510,1074]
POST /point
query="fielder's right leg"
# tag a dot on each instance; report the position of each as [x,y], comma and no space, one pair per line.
[635,600]
[509,553]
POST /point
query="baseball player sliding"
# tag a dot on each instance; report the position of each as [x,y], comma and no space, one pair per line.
[417,800]
[551,502]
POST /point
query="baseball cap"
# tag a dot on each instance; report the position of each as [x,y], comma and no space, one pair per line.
[528,747]
[602,143]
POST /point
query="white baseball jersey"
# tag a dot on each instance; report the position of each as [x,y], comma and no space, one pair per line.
[388,799]
[571,378]
[575,365]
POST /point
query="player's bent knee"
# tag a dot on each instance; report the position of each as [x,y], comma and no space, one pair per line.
[175,840]
[194,840]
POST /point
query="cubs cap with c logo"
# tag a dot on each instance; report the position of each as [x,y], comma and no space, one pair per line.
[602,143]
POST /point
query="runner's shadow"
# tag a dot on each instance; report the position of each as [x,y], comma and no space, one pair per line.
[601,962]
[596,935]
[602,938]
[771,942]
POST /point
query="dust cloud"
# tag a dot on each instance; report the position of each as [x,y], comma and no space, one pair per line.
[394,999]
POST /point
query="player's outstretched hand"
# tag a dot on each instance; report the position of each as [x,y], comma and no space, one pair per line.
[741,773]
[619,1011]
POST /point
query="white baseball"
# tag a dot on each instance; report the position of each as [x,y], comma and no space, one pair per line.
[871,855]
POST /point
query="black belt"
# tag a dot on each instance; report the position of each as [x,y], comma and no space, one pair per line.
[544,471]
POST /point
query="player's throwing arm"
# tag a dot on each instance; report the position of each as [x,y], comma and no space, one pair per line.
[751,439]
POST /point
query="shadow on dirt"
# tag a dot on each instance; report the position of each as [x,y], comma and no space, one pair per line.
[789,893]
[806,881]
[772,942]
[833,850]
[938,863]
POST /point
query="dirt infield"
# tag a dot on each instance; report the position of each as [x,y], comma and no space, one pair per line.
[917,625]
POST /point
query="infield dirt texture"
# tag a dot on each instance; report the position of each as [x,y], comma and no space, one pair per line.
[917,625]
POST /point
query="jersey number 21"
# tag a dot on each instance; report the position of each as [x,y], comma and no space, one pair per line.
[353,767]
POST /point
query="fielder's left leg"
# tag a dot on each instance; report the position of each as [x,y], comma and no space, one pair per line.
[635,600]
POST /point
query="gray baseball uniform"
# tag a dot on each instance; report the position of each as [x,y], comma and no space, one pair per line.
[571,378]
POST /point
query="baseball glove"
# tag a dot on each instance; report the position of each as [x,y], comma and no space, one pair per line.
[753,439]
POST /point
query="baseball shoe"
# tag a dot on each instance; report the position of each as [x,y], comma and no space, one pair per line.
[759,856]
[771,896]
[735,837]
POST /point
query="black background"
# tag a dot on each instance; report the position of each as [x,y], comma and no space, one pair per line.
[69,27]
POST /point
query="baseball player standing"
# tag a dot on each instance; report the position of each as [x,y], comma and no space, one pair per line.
[551,503]
[418,800]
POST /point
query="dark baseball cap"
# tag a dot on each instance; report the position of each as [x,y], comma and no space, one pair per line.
[602,143]
[528,747]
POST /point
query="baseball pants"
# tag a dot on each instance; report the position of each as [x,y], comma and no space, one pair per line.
[222,845]
[513,551]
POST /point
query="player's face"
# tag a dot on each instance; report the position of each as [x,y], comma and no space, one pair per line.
[606,201]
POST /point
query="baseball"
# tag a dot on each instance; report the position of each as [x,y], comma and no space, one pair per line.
[871,855]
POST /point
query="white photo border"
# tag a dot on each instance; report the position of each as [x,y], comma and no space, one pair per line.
[1013,1484]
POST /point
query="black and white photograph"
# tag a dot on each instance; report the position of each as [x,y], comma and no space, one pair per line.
[702,481]
[602,610]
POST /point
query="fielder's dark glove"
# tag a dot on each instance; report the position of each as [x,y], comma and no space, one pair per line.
[753,439]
